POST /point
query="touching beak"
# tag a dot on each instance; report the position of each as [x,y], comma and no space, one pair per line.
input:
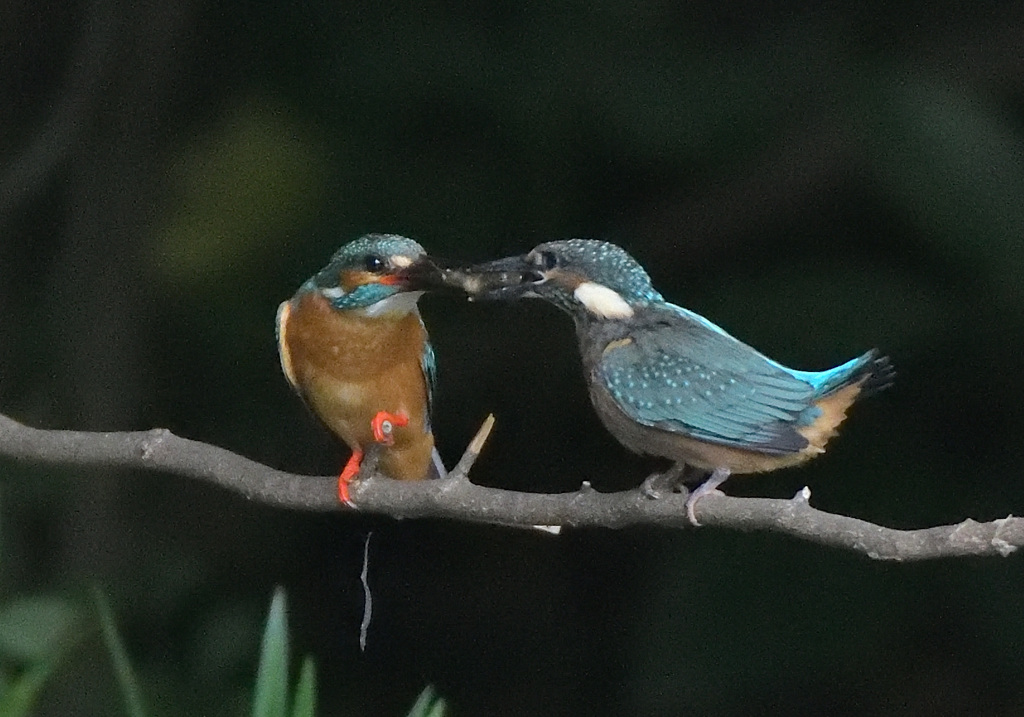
[427,273]
[502,279]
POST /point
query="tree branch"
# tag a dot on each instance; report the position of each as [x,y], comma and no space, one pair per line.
[457,498]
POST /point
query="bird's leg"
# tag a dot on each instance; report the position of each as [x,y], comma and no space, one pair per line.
[657,485]
[717,478]
[348,474]
[384,424]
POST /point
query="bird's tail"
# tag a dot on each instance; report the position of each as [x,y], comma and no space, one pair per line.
[872,371]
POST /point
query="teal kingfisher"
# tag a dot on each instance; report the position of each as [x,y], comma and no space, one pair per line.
[668,382]
[353,345]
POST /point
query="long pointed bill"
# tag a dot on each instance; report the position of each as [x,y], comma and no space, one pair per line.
[427,273]
[502,279]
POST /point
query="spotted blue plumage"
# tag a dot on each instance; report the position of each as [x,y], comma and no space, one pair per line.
[604,263]
[668,368]
[667,382]
[681,373]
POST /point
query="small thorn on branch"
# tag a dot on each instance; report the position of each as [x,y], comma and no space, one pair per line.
[462,468]
[803,496]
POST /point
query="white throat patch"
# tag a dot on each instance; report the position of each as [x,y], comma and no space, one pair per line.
[398,304]
[602,302]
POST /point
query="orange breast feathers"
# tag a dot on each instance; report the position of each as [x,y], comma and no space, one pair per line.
[348,366]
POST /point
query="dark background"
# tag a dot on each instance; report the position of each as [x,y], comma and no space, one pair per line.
[819,178]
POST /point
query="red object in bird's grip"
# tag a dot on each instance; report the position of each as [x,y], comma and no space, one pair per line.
[384,424]
[348,474]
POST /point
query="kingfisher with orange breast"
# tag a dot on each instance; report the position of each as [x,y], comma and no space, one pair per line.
[353,345]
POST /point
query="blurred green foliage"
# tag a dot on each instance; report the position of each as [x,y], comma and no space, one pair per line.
[131,694]
[273,697]
[428,704]
[36,633]
[255,178]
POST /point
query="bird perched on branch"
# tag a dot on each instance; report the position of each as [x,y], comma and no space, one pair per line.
[668,382]
[353,345]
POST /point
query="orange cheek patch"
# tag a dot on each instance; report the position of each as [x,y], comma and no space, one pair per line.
[353,278]
[567,279]
[348,280]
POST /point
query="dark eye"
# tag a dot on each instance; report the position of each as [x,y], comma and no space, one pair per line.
[546,260]
[373,264]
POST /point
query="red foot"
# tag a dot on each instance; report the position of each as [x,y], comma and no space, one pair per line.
[348,474]
[384,424]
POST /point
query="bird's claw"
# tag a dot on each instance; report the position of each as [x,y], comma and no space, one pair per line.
[658,485]
[384,424]
[717,478]
[653,487]
[348,474]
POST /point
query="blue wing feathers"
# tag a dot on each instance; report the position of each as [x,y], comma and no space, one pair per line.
[684,374]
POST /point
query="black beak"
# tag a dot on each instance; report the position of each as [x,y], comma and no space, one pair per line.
[428,273]
[502,279]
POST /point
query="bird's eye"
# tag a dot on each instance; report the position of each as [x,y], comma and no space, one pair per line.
[373,264]
[545,260]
